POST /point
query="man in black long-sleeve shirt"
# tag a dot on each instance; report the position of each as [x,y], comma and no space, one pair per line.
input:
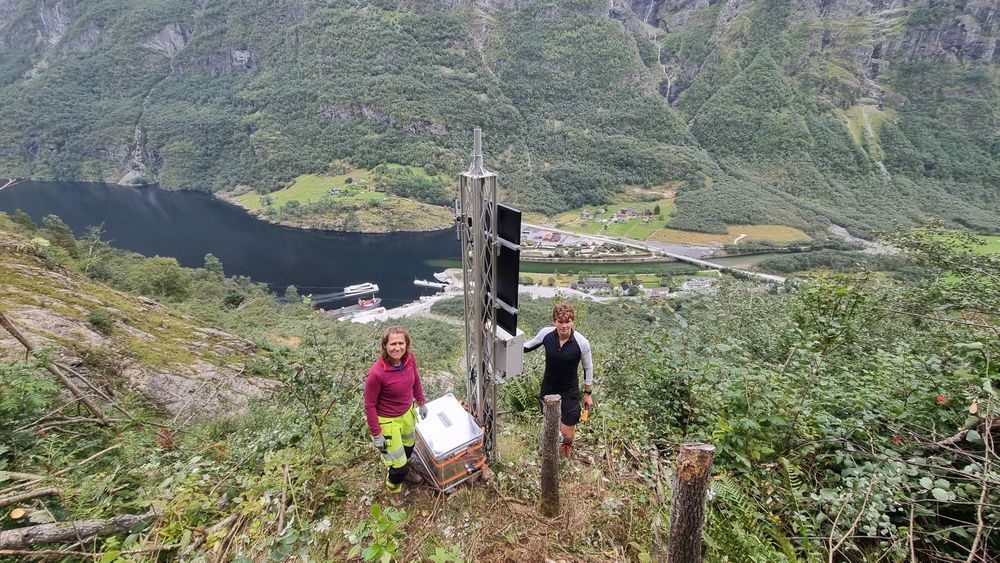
[564,349]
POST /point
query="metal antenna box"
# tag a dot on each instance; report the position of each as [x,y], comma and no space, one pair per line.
[509,354]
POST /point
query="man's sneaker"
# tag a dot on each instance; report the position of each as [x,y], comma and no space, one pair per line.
[413,477]
[566,450]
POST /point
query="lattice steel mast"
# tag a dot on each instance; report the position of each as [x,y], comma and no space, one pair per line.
[476,216]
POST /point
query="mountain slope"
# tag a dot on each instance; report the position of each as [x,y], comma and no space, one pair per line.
[805,113]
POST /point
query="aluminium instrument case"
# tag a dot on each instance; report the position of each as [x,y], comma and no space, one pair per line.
[449,444]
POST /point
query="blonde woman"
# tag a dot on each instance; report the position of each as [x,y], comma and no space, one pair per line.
[391,389]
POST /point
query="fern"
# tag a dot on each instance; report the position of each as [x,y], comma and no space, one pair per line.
[521,394]
[802,527]
[739,528]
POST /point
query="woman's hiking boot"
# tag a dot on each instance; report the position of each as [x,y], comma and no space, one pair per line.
[413,477]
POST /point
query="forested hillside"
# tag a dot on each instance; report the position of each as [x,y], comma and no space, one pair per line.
[803,113]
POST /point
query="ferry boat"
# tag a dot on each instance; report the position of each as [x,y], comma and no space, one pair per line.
[425,283]
[360,289]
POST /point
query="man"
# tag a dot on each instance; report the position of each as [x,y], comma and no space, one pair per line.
[564,349]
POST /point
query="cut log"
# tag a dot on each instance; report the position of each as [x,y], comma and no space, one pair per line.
[551,408]
[60,532]
[687,505]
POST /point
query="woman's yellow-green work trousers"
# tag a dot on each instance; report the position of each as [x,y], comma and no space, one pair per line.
[400,434]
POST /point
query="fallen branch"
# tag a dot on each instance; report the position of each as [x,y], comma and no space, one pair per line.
[60,472]
[939,319]
[88,460]
[58,424]
[15,499]
[214,529]
[4,322]
[9,182]
[107,398]
[854,524]
[65,531]
[61,408]
[86,381]
[957,438]
[49,553]
[21,476]
[980,523]
[654,460]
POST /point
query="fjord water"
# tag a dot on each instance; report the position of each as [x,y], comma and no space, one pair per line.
[187,225]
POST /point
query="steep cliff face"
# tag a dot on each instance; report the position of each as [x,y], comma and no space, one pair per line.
[862,37]
[7,10]
[168,41]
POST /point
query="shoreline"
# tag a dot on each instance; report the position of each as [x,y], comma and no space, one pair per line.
[231,200]
[223,197]
[423,304]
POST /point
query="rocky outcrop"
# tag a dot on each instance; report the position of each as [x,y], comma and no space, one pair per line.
[426,127]
[84,41]
[969,33]
[485,5]
[240,58]
[7,10]
[50,307]
[647,10]
[200,389]
[864,37]
[53,21]
[243,58]
[135,164]
[168,41]
[336,113]
[373,114]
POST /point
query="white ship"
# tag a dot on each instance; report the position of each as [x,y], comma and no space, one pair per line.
[360,289]
[425,283]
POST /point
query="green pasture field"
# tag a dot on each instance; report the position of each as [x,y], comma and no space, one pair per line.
[310,188]
[992,245]
[634,228]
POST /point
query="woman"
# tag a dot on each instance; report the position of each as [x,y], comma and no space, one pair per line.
[390,390]
[565,348]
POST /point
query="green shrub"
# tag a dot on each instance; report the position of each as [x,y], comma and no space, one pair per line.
[100,320]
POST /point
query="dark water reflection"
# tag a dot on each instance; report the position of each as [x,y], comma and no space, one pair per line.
[187,225]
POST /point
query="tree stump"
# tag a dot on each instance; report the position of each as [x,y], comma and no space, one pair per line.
[551,408]
[687,504]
